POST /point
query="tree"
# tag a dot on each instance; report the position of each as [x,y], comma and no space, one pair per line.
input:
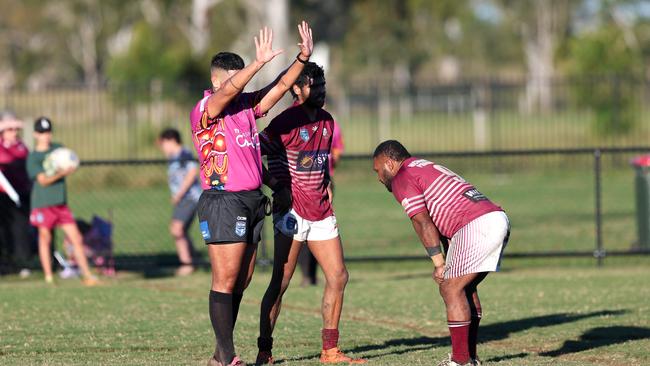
[607,70]
[543,26]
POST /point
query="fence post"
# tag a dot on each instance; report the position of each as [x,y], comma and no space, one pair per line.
[384,112]
[599,252]
[479,95]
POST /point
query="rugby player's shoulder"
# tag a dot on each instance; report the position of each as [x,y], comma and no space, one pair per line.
[326,116]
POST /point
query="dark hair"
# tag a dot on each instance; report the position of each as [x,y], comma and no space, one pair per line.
[171,134]
[226,61]
[393,149]
[311,71]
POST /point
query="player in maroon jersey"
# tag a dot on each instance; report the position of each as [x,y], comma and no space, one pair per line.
[444,208]
[297,144]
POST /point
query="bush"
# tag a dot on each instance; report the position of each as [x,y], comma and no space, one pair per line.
[607,71]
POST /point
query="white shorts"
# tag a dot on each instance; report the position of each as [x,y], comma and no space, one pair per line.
[478,246]
[292,225]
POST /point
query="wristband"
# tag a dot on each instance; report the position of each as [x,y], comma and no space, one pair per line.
[431,251]
[301,60]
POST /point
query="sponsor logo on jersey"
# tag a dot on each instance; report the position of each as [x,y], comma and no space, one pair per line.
[205,230]
[304,134]
[311,160]
[314,129]
[242,218]
[247,139]
[324,132]
[240,228]
[474,195]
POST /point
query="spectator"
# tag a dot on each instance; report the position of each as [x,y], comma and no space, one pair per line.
[184,185]
[15,232]
[49,204]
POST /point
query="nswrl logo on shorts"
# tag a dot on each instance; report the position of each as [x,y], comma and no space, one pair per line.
[240,228]
[291,223]
[205,230]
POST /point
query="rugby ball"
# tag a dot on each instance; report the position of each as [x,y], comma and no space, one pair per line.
[59,159]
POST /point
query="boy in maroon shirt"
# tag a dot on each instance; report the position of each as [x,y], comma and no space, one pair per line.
[297,144]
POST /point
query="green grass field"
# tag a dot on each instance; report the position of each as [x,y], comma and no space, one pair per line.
[537,312]
[555,315]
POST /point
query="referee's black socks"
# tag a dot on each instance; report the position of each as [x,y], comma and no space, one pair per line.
[236,301]
[221,316]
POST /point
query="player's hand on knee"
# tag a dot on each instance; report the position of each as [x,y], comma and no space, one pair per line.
[439,275]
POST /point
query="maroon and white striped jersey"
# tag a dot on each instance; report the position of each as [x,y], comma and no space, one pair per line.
[297,150]
[421,185]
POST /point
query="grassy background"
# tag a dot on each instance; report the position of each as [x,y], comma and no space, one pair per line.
[555,315]
[549,209]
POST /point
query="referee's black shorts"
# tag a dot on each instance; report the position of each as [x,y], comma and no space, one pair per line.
[231,217]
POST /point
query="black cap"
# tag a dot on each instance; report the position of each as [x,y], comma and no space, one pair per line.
[42,124]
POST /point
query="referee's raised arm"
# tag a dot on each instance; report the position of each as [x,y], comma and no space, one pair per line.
[288,77]
[235,81]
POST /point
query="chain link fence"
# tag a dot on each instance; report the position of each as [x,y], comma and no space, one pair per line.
[564,197]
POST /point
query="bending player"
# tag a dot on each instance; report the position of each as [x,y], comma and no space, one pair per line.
[231,208]
[298,143]
[443,205]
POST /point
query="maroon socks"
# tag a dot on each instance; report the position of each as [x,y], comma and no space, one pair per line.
[459,331]
[330,338]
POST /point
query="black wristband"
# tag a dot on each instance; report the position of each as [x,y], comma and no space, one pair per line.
[431,251]
[301,60]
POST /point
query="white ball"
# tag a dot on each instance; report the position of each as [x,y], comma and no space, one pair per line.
[60,159]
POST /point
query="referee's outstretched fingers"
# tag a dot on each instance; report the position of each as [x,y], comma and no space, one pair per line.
[306,44]
[264,46]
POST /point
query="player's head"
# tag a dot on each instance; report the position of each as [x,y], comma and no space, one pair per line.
[387,160]
[223,66]
[10,126]
[43,131]
[170,142]
[309,88]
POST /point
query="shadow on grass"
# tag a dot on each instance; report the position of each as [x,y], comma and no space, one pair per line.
[507,357]
[600,337]
[488,333]
[152,266]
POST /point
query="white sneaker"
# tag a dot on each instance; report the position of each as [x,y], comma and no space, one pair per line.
[450,362]
[24,273]
[69,272]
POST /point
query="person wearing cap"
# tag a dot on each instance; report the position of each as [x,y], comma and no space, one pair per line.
[49,204]
[15,232]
